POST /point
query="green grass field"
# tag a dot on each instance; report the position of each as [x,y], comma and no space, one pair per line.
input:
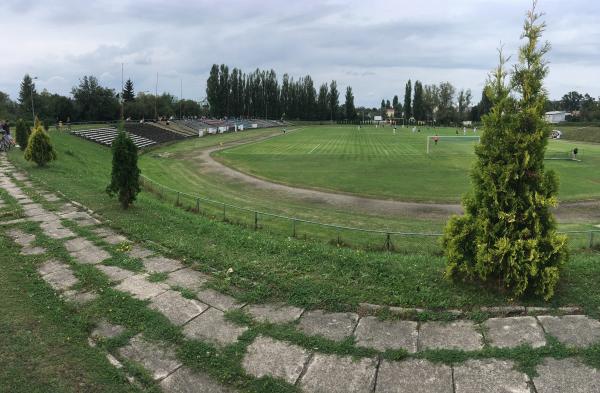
[374,162]
[274,267]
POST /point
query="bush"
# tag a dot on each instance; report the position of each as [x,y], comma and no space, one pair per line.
[125,172]
[22,134]
[39,147]
[507,236]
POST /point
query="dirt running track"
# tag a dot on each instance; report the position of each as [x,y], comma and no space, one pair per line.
[573,211]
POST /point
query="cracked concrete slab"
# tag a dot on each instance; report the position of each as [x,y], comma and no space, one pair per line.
[334,326]
[273,358]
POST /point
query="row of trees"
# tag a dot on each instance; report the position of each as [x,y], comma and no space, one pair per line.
[583,106]
[439,103]
[90,102]
[259,94]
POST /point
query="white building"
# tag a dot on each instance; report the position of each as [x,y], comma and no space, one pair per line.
[555,117]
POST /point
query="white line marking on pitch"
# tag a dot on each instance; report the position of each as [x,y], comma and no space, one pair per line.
[314,148]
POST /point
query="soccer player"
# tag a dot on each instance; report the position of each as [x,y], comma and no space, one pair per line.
[436,138]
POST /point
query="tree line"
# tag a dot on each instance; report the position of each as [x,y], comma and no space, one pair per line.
[90,101]
[234,93]
[439,103]
[582,107]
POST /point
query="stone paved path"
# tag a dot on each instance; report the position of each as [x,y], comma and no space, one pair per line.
[204,318]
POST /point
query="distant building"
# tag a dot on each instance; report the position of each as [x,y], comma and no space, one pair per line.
[390,112]
[555,117]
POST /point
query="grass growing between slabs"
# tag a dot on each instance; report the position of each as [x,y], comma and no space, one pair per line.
[43,345]
[275,268]
[66,345]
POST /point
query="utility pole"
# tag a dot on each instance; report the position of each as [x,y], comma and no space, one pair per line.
[121,95]
[180,98]
[31,93]
[156,99]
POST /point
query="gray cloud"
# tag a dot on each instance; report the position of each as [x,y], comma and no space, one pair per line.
[374,46]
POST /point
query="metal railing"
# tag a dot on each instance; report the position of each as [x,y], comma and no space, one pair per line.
[340,235]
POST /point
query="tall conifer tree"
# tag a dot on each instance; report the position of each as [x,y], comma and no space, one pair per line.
[507,235]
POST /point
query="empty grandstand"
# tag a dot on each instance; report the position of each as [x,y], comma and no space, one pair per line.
[106,135]
[151,133]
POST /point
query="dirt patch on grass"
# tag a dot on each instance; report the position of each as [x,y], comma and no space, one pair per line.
[588,211]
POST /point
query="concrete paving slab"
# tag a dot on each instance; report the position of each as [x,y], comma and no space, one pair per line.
[91,256]
[51,197]
[572,330]
[50,267]
[115,239]
[414,376]
[187,278]
[87,222]
[61,279]
[103,232]
[161,264]
[76,215]
[334,326]
[176,308]
[21,238]
[489,376]
[44,217]
[461,335]
[218,300]
[115,273]
[336,374]
[273,358]
[274,313]
[382,335]
[139,252]
[80,297]
[184,380]
[157,358]
[105,330]
[514,331]
[211,326]
[140,288]
[30,250]
[566,375]
[79,243]
[55,230]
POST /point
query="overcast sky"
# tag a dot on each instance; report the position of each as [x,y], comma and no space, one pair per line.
[374,46]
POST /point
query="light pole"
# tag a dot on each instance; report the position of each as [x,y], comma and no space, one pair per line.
[180,97]
[156,99]
[32,105]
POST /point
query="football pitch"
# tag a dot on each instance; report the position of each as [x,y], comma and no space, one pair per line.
[375,162]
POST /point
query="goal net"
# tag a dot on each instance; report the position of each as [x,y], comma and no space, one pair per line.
[569,155]
[450,144]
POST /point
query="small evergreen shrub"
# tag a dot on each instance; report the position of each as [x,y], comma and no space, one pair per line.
[39,147]
[507,236]
[125,172]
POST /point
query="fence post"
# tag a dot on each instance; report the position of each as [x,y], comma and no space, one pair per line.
[255,221]
[197,205]
[388,243]
[293,228]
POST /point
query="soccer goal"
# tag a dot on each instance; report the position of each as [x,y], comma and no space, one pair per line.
[450,144]
[567,155]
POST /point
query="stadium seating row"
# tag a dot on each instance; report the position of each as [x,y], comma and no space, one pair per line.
[106,136]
